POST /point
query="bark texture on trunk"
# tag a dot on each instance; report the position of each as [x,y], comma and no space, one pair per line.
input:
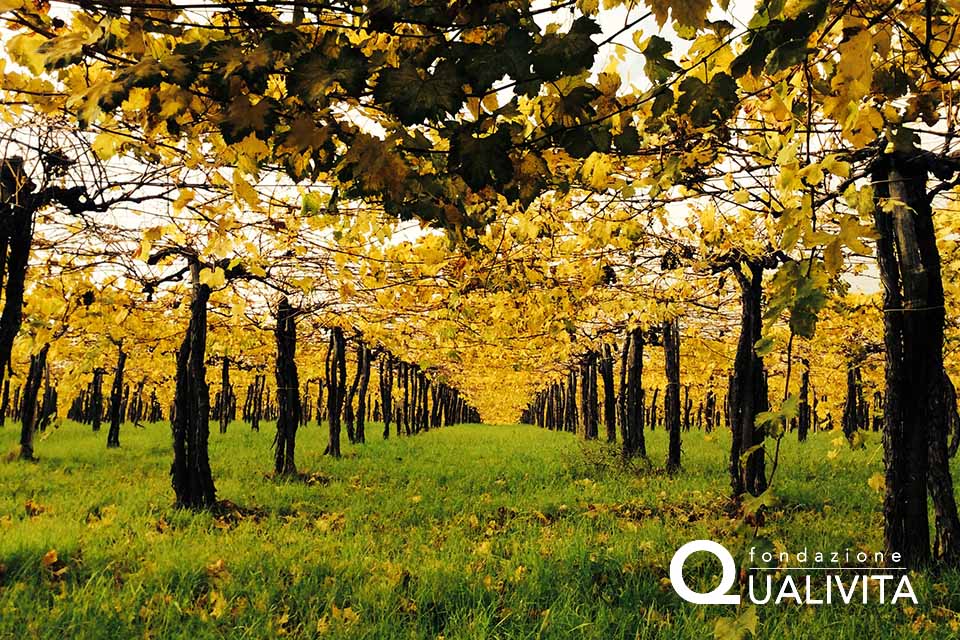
[16,236]
[634,443]
[288,390]
[386,392]
[803,418]
[588,387]
[226,394]
[28,402]
[116,401]
[348,413]
[609,396]
[190,472]
[5,406]
[916,418]
[364,354]
[96,399]
[336,388]
[748,388]
[671,401]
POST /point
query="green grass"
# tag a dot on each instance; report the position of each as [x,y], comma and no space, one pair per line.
[466,532]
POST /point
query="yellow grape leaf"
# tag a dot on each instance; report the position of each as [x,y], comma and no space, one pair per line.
[244,115]
[244,191]
[49,558]
[608,83]
[851,231]
[23,51]
[877,482]
[866,126]
[854,72]
[304,284]
[137,100]
[838,168]
[177,66]
[183,199]
[689,13]
[305,134]
[856,440]
[34,508]
[323,625]
[737,628]
[812,174]
[213,278]
[106,145]
[218,604]
[283,619]
[218,569]
[776,107]
[346,615]
[588,7]
[832,257]
[596,170]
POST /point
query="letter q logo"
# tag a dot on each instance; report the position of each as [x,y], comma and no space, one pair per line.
[718,595]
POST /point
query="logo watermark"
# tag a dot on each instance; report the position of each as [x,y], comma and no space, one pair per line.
[837,582]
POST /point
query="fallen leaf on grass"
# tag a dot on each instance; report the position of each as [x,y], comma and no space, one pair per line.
[345,615]
[53,565]
[737,628]
[318,479]
[330,522]
[218,570]
[34,508]
[218,604]
[49,558]
[101,516]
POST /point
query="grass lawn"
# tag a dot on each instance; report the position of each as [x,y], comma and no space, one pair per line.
[466,532]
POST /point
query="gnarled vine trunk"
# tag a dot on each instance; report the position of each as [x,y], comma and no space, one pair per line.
[748,389]
[588,387]
[803,417]
[348,413]
[916,416]
[5,406]
[226,394]
[28,402]
[336,386]
[364,354]
[671,401]
[16,234]
[116,401]
[609,397]
[633,410]
[288,390]
[190,472]
[96,400]
[386,392]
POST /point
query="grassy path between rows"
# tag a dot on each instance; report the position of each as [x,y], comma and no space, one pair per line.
[467,532]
